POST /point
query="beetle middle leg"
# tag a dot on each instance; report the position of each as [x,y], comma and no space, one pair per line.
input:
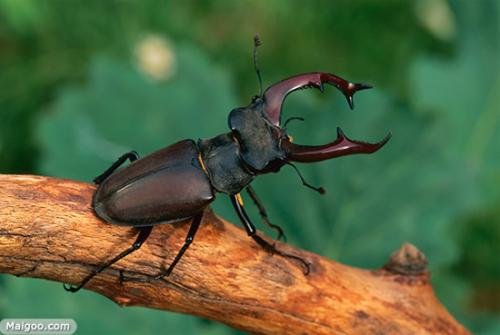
[263,213]
[195,224]
[131,156]
[252,232]
[141,238]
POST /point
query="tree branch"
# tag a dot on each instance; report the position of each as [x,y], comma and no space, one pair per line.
[48,230]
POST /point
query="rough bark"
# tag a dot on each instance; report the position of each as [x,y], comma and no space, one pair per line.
[48,230]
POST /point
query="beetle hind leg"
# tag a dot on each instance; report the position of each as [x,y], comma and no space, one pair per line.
[131,156]
[252,232]
[141,238]
[195,224]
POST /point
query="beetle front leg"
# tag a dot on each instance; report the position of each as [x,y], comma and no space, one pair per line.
[252,232]
[131,156]
[263,213]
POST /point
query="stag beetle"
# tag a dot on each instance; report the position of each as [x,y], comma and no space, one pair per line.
[178,182]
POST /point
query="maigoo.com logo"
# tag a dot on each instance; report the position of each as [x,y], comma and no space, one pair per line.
[37,326]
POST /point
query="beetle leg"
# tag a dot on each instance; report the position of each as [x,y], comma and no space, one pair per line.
[131,156]
[252,232]
[189,239]
[141,238]
[263,213]
[320,190]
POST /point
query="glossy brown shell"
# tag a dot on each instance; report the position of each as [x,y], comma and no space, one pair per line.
[166,186]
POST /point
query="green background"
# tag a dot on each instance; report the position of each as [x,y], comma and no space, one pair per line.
[74,95]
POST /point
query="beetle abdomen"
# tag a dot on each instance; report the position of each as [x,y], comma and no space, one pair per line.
[165,186]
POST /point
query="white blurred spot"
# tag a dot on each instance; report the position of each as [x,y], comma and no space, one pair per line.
[436,17]
[88,141]
[155,57]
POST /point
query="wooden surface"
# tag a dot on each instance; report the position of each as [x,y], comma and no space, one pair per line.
[48,230]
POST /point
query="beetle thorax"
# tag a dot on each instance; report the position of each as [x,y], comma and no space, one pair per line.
[252,147]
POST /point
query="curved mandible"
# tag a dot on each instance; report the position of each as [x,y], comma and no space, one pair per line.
[275,95]
[342,146]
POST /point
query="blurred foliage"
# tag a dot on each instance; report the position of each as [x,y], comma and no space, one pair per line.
[76,92]
[83,122]
[479,260]
[51,42]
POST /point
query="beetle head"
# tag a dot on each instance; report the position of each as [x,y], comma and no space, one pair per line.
[265,145]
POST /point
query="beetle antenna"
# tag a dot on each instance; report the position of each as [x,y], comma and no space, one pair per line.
[256,44]
[320,190]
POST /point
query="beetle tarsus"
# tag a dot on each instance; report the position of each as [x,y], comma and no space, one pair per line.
[141,238]
[252,232]
[263,213]
[271,248]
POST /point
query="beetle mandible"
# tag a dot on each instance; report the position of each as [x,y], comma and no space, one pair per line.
[178,182]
